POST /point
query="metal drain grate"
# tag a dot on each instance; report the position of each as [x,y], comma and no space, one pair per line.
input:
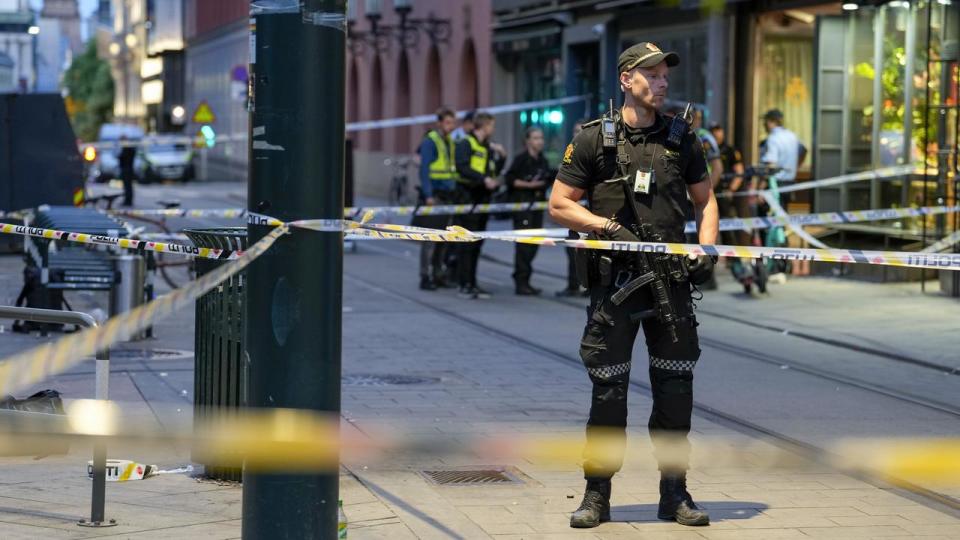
[385,380]
[471,477]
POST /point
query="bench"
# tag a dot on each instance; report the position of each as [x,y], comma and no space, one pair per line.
[54,266]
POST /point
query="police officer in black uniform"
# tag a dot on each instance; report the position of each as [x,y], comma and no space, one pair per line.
[526,181]
[657,161]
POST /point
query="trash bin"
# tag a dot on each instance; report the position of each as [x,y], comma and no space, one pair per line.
[219,377]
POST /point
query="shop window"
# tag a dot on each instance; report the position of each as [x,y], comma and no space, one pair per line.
[787,83]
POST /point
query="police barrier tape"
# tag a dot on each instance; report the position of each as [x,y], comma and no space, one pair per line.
[833,255]
[848,256]
[288,440]
[35,365]
[457,234]
[126,243]
[876,174]
[943,244]
[726,224]
[778,211]
[330,225]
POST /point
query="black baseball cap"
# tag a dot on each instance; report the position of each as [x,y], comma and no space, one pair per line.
[773,114]
[645,54]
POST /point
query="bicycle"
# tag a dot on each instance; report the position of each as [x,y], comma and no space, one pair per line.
[399,193]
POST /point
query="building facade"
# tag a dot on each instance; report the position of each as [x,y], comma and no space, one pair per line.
[845,76]
[404,59]
[215,63]
[57,43]
[126,51]
[162,70]
[18,31]
[408,58]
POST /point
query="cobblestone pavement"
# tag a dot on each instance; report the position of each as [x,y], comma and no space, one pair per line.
[508,366]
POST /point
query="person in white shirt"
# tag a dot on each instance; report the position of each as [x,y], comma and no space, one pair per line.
[781,150]
[782,147]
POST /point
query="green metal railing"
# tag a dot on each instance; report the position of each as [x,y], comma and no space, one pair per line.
[220,376]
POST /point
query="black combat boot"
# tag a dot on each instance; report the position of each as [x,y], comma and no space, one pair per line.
[595,508]
[676,504]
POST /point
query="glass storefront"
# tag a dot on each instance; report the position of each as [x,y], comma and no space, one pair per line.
[882,98]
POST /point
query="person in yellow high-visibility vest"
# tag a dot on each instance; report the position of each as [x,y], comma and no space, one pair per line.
[478,164]
[438,176]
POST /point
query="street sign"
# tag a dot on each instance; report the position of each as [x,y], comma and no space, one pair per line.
[204,114]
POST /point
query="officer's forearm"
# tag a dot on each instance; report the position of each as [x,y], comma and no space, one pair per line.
[708,220]
[571,214]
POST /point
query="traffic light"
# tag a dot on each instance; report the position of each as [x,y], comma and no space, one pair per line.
[209,136]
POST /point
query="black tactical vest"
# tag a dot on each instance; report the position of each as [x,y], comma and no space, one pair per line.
[665,207]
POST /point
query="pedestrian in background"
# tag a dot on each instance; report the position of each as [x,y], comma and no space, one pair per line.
[527,179]
[438,176]
[732,181]
[781,150]
[573,287]
[125,160]
[478,166]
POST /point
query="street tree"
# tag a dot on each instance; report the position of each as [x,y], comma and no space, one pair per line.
[89,86]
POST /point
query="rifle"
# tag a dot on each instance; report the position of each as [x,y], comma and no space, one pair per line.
[655,270]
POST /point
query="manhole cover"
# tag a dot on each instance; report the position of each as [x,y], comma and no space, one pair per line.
[386,380]
[149,354]
[471,477]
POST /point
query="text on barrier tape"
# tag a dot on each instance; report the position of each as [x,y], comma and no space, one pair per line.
[127,243]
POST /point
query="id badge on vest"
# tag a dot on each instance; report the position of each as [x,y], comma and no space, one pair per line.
[642,181]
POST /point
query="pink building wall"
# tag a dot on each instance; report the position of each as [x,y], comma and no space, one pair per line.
[403,82]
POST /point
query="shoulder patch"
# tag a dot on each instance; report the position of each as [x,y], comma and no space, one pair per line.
[568,153]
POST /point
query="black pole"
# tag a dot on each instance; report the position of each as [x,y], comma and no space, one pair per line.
[926,140]
[293,309]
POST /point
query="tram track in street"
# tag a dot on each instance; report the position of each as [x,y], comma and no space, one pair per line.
[889,355]
[915,492]
[770,359]
[923,495]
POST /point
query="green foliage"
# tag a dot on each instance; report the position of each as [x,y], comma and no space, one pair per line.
[90,87]
[893,85]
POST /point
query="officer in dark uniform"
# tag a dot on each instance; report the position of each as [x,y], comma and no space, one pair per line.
[478,163]
[657,161]
[526,180]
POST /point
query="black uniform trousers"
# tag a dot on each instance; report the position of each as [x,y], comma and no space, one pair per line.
[468,253]
[606,349]
[524,253]
[433,254]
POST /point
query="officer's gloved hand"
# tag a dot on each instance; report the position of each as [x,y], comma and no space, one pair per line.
[615,232]
[700,268]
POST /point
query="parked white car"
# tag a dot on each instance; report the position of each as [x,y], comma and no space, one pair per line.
[160,160]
